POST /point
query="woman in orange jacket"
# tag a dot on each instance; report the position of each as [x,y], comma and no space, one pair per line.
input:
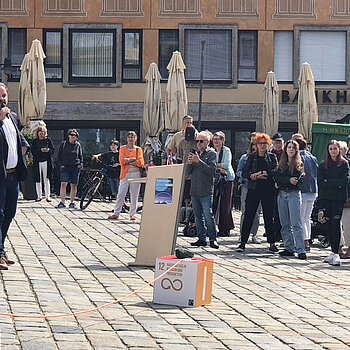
[131,161]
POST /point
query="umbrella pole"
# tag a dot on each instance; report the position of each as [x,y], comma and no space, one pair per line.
[201,87]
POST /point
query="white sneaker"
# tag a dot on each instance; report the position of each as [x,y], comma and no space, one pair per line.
[329,259]
[336,260]
[256,240]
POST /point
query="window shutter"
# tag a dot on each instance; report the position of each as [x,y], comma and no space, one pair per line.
[217,54]
[326,54]
[284,56]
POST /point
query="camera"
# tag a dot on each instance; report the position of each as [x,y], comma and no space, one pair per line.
[193,151]
[190,133]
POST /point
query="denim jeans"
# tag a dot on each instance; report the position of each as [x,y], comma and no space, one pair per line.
[114,184]
[204,217]
[8,206]
[289,208]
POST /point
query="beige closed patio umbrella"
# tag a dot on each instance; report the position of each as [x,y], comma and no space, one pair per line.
[307,105]
[271,105]
[153,121]
[32,86]
[176,96]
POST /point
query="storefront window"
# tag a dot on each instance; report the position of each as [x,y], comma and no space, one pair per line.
[242,142]
[57,137]
[95,141]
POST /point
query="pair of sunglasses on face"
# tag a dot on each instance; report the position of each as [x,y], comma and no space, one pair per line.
[200,141]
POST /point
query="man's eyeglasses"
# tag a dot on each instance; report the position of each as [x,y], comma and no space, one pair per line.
[75,135]
[200,141]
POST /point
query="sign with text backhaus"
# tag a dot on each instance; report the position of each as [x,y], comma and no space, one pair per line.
[189,284]
[322,96]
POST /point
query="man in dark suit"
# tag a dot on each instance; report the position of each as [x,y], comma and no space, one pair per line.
[12,169]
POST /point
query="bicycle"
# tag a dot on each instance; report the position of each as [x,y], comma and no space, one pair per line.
[93,189]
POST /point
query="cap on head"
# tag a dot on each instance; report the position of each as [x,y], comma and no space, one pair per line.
[277,137]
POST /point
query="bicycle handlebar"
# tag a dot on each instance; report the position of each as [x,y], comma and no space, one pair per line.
[104,165]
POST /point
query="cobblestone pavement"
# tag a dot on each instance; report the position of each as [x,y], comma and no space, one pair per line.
[72,261]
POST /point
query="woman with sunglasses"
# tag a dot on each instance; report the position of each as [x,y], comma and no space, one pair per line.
[224,186]
[131,160]
[288,178]
[259,172]
[333,178]
[70,159]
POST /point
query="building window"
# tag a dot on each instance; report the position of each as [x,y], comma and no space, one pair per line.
[218,53]
[17,48]
[247,55]
[168,43]
[92,56]
[284,56]
[53,51]
[132,56]
[326,53]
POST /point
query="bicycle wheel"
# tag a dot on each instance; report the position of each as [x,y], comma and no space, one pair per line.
[89,195]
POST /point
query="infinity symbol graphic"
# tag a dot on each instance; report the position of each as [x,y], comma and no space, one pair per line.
[166,284]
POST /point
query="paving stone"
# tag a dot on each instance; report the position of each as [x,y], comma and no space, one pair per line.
[73,261]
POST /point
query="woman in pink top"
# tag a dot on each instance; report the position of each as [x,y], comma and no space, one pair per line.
[131,161]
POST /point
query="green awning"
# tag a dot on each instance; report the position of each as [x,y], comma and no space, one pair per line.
[323,133]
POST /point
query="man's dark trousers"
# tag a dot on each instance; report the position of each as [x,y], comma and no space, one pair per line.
[8,206]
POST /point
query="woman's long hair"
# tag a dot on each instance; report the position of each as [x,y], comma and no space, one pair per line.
[340,159]
[296,162]
[251,149]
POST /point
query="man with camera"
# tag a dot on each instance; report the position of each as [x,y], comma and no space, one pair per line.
[12,170]
[201,167]
[172,148]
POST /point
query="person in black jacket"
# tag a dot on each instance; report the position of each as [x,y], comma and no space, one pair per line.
[70,158]
[111,164]
[201,167]
[333,178]
[42,150]
[288,178]
[12,170]
[259,171]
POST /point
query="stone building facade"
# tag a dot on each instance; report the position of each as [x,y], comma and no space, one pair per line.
[98,52]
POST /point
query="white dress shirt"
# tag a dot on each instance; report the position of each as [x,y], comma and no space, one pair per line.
[11,138]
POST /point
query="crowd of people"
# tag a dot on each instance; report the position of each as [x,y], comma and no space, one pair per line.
[281,180]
